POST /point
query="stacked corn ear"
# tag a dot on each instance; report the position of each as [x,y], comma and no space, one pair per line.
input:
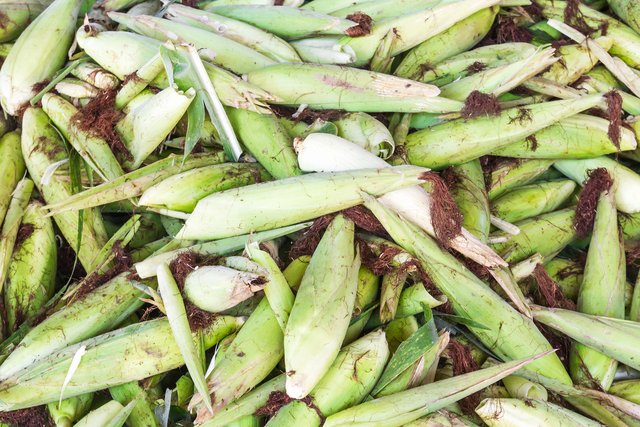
[320,212]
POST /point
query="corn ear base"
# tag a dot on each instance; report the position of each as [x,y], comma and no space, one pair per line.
[68,411]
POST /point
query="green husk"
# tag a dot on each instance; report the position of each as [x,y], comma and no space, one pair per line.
[440,145]
[97,312]
[516,412]
[32,270]
[136,352]
[473,299]
[11,225]
[229,54]
[12,168]
[323,302]
[142,413]
[182,191]
[576,137]
[262,41]
[261,206]
[285,22]
[93,149]
[469,191]
[533,199]
[43,150]
[514,174]
[334,87]
[546,235]
[67,412]
[401,408]
[267,141]
[134,183]
[601,293]
[615,338]
[39,52]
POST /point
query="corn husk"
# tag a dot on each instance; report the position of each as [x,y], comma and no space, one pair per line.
[516,412]
[37,54]
[12,168]
[247,214]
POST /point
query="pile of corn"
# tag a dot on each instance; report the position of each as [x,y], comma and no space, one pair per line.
[331,212]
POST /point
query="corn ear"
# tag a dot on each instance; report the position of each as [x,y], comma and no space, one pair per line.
[18,17]
[536,236]
[32,270]
[262,41]
[101,416]
[245,215]
[11,225]
[577,60]
[95,76]
[44,150]
[533,199]
[323,303]
[134,183]
[514,174]
[12,168]
[469,192]
[228,53]
[404,407]
[142,350]
[601,293]
[93,149]
[31,60]
[516,412]
[286,22]
[255,352]
[460,37]
[218,288]
[96,313]
[439,146]
[500,79]
[350,89]
[414,28]
[628,182]
[145,127]
[628,11]
[267,140]
[522,388]
[578,136]
[473,296]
